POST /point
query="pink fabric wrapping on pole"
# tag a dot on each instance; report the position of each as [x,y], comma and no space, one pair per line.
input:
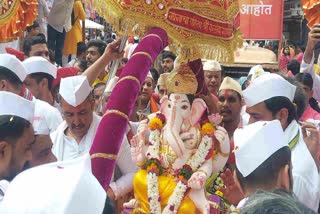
[113,125]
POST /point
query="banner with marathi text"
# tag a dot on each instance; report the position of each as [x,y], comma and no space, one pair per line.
[261,19]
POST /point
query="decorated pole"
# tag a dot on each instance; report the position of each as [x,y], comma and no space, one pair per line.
[113,125]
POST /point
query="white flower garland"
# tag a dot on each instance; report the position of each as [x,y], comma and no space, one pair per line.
[153,187]
[152,178]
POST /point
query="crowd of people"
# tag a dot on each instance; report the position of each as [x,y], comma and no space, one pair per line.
[54,91]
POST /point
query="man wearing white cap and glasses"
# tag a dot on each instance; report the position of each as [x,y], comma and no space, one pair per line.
[40,76]
[270,97]
[12,75]
[16,136]
[58,188]
[263,158]
[75,135]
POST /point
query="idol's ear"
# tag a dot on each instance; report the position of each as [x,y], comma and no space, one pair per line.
[197,109]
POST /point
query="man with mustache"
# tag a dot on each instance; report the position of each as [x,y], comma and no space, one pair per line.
[95,50]
[167,61]
[230,104]
[74,136]
[16,136]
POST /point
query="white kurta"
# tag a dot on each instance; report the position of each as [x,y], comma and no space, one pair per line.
[306,180]
[124,184]
[65,148]
[51,115]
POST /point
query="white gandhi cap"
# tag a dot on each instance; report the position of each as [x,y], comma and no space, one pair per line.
[255,143]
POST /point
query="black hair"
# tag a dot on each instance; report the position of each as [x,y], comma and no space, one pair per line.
[101,45]
[12,128]
[285,47]
[6,74]
[41,35]
[314,104]
[81,48]
[300,97]
[155,75]
[40,76]
[305,79]
[276,202]
[124,60]
[83,65]
[275,104]
[267,173]
[293,66]
[35,24]
[34,40]
[168,54]
[99,85]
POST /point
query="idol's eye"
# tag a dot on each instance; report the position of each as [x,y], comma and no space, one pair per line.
[169,105]
[185,107]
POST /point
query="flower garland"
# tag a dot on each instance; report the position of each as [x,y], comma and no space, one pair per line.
[154,168]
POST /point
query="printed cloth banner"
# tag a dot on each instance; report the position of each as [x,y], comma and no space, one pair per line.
[261,19]
[196,28]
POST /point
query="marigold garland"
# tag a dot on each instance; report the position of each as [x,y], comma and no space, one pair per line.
[207,129]
[154,168]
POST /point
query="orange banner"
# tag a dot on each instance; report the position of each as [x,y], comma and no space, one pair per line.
[261,19]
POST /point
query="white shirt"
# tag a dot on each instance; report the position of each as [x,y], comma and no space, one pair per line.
[306,180]
[66,148]
[241,203]
[124,184]
[43,11]
[131,50]
[3,188]
[60,15]
[51,115]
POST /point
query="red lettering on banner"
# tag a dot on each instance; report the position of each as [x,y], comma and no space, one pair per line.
[197,23]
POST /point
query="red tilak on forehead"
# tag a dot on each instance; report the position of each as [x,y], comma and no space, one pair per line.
[177,97]
[227,93]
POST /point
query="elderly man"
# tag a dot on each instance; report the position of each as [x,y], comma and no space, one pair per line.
[270,97]
[16,136]
[41,74]
[213,76]
[12,74]
[263,158]
[75,135]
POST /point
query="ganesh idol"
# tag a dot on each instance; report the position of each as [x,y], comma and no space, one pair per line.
[177,150]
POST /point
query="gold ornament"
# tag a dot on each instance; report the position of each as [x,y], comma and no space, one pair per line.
[182,81]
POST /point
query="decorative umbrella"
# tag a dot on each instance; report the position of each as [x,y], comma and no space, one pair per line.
[311,9]
[15,16]
[196,28]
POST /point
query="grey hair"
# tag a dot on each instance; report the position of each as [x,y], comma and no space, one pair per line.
[276,202]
